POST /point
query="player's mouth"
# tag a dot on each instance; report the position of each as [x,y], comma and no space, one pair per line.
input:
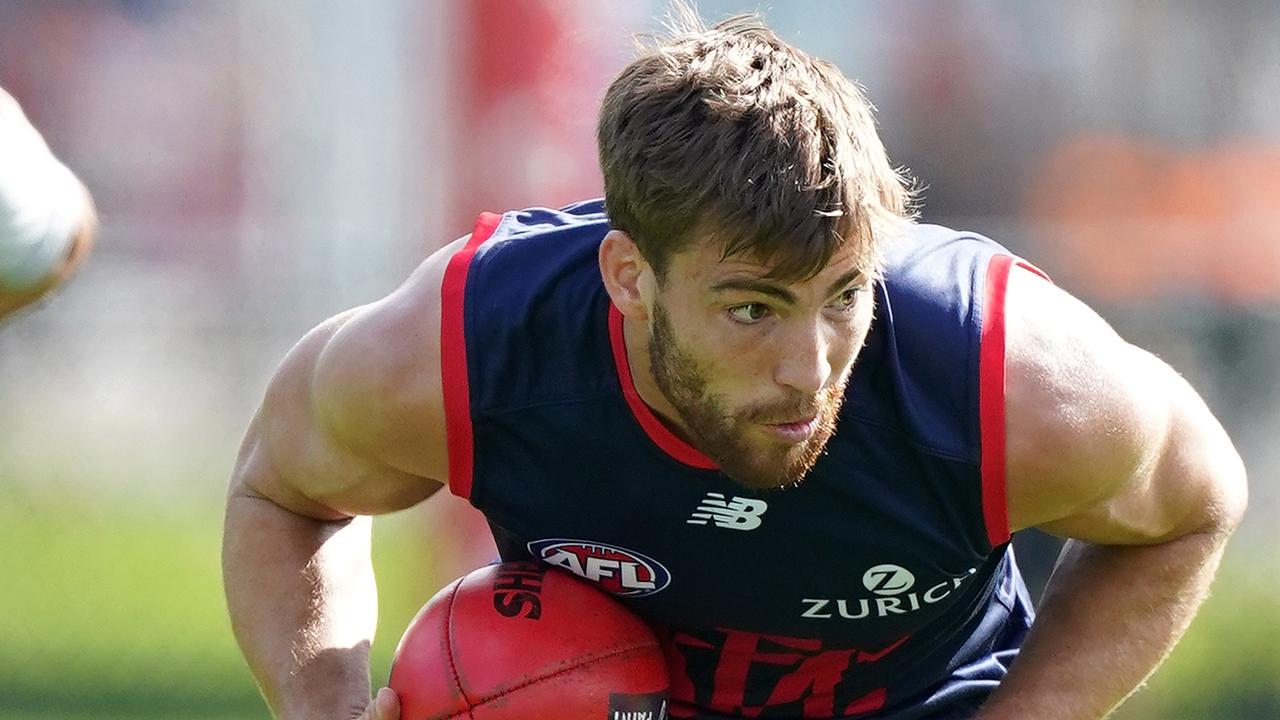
[794,432]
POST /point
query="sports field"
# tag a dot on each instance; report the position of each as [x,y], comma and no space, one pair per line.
[111,613]
[259,166]
[120,615]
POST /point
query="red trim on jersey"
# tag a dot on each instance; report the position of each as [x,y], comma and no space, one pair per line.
[991,388]
[653,427]
[1028,266]
[991,402]
[453,357]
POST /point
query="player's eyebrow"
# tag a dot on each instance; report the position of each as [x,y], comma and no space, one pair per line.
[764,287]
[844,281]
[755,285]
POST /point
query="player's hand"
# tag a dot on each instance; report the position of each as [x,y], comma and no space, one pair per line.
[385,706]
[52,196]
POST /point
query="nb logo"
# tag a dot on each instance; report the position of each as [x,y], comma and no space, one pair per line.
[738,513]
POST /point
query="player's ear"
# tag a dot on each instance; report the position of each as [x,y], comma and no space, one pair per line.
[628,278]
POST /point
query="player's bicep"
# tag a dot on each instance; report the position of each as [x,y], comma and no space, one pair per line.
[378,382]
[352,423]
[1105,442]
[1192,479]
[292,457]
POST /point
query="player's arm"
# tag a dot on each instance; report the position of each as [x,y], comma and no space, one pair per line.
[1110,447]
[351,426]
[47,219]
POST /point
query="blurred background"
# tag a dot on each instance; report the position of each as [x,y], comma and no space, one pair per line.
[260,166]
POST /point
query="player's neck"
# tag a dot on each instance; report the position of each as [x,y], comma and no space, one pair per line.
[635,337]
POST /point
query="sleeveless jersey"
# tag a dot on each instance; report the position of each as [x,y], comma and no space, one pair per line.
[881,586]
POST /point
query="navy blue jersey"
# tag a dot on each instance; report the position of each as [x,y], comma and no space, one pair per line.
[882,586]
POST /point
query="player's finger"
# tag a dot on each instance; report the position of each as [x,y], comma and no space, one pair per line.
[385,706]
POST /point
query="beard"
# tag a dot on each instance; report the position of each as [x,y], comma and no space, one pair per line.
[727,436]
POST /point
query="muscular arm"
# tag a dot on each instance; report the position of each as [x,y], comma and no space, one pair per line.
[351,426]
[1109,447]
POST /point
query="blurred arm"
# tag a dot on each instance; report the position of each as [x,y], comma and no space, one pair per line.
[47,219]
[351,425]
[1109,446]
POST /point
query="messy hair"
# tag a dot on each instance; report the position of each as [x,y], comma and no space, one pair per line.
[730,134]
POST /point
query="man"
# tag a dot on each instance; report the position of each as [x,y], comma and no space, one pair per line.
[47,220]
[785,424]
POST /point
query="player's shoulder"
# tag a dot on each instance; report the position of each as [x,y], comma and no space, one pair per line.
[935,288]
[401,330]
[924,252]
[383,371]
[937,278]
[535,326]
[1080,401]
[1059,352]
[538,220]
[377,380]
[399,336]
[519,241]
[925,355]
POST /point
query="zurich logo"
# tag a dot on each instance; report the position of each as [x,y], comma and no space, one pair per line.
[618,570]
[888,579]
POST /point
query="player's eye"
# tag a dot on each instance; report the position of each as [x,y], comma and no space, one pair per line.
[749,313]
[846,299]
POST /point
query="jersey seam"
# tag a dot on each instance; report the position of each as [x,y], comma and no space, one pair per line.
[910,439]
[505,409]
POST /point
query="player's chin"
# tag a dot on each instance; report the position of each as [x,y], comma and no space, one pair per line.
[771,467]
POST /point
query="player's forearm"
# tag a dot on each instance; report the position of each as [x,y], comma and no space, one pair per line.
[303,606]
[1109,616]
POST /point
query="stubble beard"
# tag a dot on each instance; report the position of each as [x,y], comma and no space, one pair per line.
[724,436]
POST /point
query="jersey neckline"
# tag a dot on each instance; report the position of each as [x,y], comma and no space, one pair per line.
[658,432]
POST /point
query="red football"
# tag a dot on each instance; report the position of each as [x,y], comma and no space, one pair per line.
[522,640]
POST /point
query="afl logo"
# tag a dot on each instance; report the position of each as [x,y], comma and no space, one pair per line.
[888,579]
[620,571]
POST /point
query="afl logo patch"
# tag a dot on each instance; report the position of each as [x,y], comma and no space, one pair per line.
[623,572]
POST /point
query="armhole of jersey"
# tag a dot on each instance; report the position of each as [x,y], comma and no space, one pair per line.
[991,401]
[991,388]
[453,357]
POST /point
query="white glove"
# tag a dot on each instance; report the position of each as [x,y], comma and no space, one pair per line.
[41,203]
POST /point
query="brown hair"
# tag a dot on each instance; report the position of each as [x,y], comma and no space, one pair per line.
[730,132]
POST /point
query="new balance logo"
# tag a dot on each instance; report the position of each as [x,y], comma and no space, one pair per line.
[738,513]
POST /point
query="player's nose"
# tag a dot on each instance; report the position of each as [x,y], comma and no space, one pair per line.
[803,362]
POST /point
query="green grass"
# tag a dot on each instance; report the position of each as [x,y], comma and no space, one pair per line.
[1227,667]
[116,614]
[113,613]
